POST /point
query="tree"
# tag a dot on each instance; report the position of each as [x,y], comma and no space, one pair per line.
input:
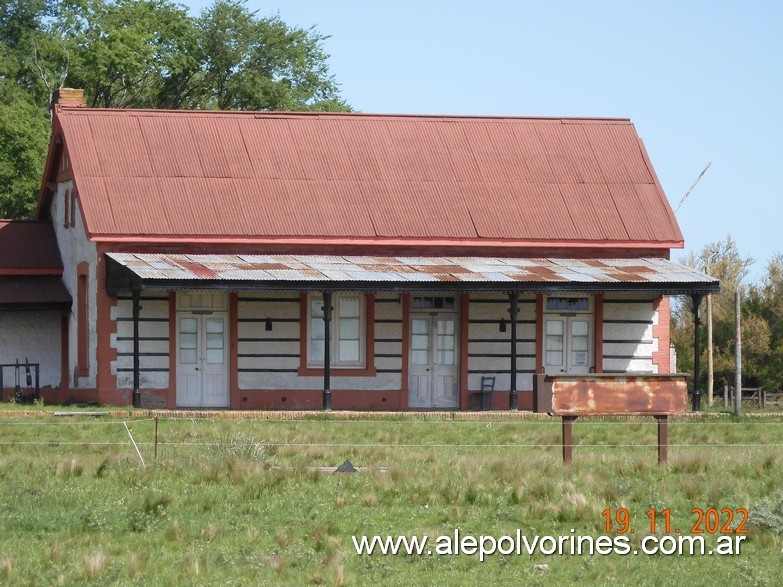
[24,137]
[262,64]
[765,302]
[121,52]
[143,54]
[724,261]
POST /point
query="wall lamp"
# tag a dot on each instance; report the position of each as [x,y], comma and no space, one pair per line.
[502,326]
[268,325]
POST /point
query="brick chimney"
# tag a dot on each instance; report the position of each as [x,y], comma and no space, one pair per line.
[71,97]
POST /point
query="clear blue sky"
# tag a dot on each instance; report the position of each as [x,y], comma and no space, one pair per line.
[701,80]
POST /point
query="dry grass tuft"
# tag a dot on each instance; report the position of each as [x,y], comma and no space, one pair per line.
[284,538]
[275,562]
[209,533]
[95,563]
[135,564]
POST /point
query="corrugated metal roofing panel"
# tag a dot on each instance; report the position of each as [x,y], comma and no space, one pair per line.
[216,268]
[569,154]
[26,245]
[83,155]
[582,199]
[96,206]
[120,147]
[353,175]
[221,149]
[173,151]
[30,292]
[621,160]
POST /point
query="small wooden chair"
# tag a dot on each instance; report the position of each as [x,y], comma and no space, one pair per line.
[487,391]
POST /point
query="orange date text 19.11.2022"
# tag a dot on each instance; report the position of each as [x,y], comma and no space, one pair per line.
[709,521]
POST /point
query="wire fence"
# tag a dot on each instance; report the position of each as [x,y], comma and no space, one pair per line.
[278,434]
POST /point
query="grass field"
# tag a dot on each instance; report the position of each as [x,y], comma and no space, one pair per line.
[246,502]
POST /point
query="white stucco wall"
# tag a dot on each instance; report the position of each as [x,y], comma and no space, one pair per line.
[489,349]
[75,249]
[629,343]
[153,341]
[270,360]
[34,336]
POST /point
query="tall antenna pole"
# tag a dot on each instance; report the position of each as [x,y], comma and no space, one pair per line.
[688,193]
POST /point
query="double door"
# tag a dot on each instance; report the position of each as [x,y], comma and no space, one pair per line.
[433,373]
[202,360]
[567,344]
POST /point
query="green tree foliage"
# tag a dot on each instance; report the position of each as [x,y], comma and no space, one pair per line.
[765,303]
[762,319]
[262,64]
[24,137]
[144,54]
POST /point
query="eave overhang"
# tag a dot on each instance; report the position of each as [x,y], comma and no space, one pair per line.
[172,272]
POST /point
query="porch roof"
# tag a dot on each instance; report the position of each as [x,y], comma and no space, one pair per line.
[33,292]
[238,272]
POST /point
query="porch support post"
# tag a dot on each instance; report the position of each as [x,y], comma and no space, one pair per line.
[513,310]
[696,352]
[136,311]
[663,439]
[327,396]
[568,439]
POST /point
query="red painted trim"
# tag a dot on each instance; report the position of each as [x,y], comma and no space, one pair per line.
[598,339]
[50,168]
[65,375]
[405,350]
[369,347]
[26,271]
[387,242]
[662,332]
[66,175]
[82,319]
[464,392]
[539,333]
[233,358]
[106,382]
[171,394]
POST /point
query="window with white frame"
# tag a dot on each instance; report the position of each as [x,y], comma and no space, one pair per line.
[347,348]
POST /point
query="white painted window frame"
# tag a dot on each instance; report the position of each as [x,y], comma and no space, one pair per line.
[337,303]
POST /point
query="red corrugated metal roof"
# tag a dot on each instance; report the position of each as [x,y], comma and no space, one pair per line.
[28,247]
[265,176]
[37,292]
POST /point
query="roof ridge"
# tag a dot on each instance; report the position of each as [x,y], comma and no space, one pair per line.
[309,114]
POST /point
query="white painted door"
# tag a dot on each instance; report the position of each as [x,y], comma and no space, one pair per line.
[202,360]
[433,375]
[567,344]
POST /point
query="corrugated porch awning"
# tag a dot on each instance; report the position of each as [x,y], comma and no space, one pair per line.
[252,272]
